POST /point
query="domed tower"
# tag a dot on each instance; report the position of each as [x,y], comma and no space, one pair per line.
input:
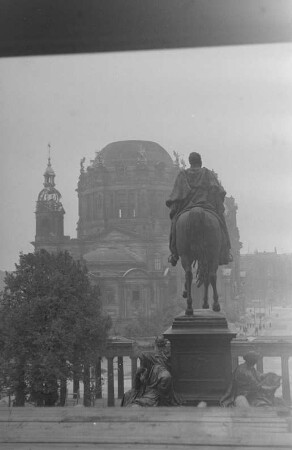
[125,187]
[49,212]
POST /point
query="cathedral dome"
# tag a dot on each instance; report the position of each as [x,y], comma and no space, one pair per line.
[133,151]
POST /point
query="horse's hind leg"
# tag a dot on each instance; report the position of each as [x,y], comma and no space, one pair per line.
[189,279]
[185,291]
[188,285]
[213,281]
[205,298]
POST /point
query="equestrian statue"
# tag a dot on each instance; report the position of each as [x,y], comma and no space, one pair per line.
[199,234]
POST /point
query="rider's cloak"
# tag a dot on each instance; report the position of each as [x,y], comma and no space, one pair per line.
[196,187]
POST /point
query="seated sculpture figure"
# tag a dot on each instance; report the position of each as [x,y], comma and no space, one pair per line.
[134,394]
[153,383]
[250,387]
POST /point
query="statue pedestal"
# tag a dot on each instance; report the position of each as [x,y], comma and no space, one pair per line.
[200,356]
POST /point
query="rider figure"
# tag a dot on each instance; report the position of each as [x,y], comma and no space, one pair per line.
[197,186]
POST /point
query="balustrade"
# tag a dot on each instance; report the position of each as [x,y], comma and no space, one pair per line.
[269,347]
[111,394]
[117,347]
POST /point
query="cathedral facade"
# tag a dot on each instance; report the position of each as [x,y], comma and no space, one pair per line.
[123,226]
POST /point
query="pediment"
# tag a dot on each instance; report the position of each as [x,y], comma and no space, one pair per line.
[113,255]
[116,236]
[113,251]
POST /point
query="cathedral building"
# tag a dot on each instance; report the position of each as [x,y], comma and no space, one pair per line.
[123,226]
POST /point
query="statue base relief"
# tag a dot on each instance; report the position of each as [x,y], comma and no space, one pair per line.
[200,356]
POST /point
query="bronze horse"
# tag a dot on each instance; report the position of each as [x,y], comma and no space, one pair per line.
[198,240]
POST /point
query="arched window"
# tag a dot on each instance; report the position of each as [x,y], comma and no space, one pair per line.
[121,171]
[132,204]
[99,201]
[121,202]
[157,262]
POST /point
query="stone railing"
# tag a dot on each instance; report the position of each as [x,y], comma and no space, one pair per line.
[119,348]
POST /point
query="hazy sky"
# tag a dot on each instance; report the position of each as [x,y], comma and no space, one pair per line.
[231,104]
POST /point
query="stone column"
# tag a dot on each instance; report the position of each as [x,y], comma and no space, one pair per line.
[98,381]
[285,379]
[260,365]
[120,377]
[86,384]
[110,382]
[134,368]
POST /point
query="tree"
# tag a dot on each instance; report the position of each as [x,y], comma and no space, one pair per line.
[51,326]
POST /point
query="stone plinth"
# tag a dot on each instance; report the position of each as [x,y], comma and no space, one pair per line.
[200,356]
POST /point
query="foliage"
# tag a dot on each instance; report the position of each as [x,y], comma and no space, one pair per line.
[51,324]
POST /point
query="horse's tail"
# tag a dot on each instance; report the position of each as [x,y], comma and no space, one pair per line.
[198,243]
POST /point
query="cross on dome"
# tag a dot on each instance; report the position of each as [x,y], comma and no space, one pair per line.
[49,174]
[49,152]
